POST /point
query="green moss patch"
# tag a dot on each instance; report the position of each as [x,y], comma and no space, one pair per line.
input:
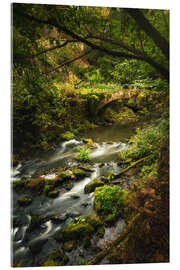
[79,173]
[109,201]
[67,136]
[21,184]
[74,232]
[56,258]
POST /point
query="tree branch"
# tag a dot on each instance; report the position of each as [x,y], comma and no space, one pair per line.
[68,62]
[50,49]
[52,22]
[149,29]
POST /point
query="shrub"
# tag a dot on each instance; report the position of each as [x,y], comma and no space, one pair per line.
[147,142]
[109,200]
[83,154]
[67,136]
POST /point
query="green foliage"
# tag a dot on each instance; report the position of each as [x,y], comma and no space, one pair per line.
[79,220]
[147,142]
[127,71]
[83,262]
[110,175]
[149,170]
[67,136]
[110,199]
[83,154]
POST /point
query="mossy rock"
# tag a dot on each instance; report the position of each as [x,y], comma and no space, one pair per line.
[97,182]
[24,201]
[79,173]
[47,189]
[88,141]
[109,201]
[68,246]
[110,219]
[56,258]
[62,176]
[67,136]
[69,186]
[53,194]
[74,232]
[94,221]
[21,184]
[100,231]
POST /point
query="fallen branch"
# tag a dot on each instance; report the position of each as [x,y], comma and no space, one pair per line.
[133,164]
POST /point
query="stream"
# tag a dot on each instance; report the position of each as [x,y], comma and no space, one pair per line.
[58,212]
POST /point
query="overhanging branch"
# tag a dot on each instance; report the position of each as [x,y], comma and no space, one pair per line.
[164,72]
[69,62]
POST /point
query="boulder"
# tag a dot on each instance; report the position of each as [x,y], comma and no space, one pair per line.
[24,201]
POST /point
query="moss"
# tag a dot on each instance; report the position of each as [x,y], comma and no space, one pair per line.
[62,176]
[67,136]
[109,201]
[54,193]
[79,173]
[68,246]
[94,221]
[88,141]
[50,262]
[23,201]
[100,231]
[74,232]
[47,188]
[56,258]
[111,218]
[21,184]
[97,182]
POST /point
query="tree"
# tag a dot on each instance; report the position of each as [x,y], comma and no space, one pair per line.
[120,33]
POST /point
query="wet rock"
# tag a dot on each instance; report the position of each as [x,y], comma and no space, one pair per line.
[64,175]
[59,219]
[37,245]
[85,204]
[75,196]
[53,193]
[36,222]
[74,232]
[101,165]
[69,186]
[86,167]
[56,258]
[79,173]
[97,182]
[72,215]
[24,201]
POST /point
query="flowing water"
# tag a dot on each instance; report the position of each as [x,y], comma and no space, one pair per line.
[56,213]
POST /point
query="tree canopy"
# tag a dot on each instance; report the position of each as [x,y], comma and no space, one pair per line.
[118,33]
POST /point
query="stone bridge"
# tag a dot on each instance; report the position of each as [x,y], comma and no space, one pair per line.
[111,97]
